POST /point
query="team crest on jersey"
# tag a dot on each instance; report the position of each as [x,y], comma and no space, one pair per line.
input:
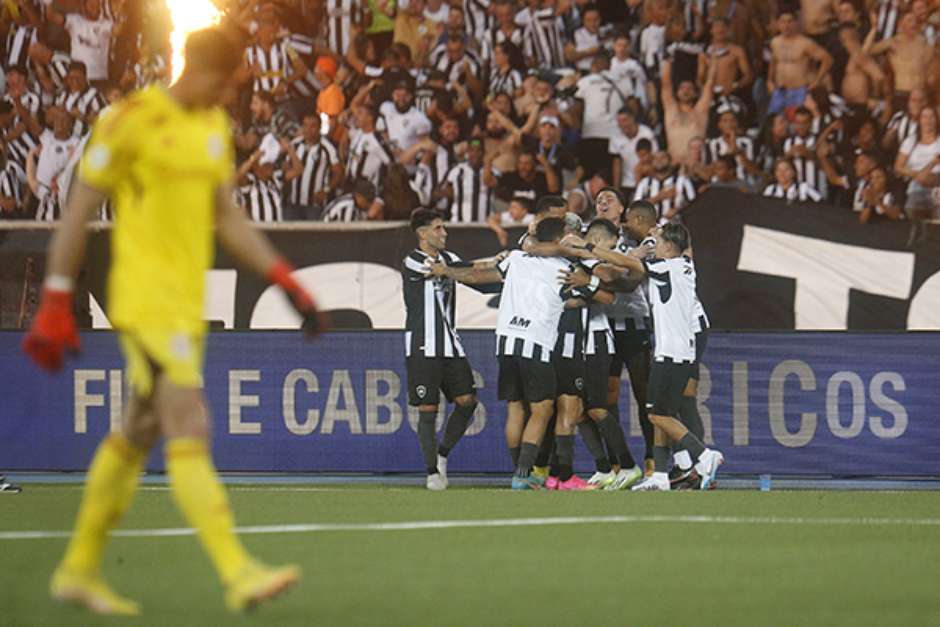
[579,383]
[215,145]
[421,391]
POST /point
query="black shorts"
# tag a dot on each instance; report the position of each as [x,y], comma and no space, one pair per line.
[522,379]
[627,345]
[667,385]
[596,369]
[701,341]
[569,376]
[427,376]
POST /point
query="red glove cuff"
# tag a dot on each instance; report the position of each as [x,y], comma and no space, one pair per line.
[280,274]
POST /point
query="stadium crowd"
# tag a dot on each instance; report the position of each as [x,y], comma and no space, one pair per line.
[366,109]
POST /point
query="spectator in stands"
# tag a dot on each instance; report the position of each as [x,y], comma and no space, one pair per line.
[800,149]
[685,113]
[47,161]
[79,99]
[262,177]
[469,186]
[354,206]
[903,124]
[732,143]
[787,187]
[726,175]
[910,56]
[669,190]
[322,170]
[733,74]
[878,201]
[331,101]
[90,42]
[518,213]
[797,65]
[918,163]
[623,147]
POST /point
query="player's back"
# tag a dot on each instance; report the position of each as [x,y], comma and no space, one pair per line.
[672,291]
[531,302]
[162,165]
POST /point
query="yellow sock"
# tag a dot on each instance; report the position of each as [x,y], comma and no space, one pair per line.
[201,498]
[109,490]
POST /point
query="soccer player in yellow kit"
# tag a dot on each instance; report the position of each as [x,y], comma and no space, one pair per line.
[165,158]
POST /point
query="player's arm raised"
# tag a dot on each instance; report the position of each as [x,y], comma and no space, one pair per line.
[253,251]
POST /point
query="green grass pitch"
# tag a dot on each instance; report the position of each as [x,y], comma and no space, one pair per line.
[783,570]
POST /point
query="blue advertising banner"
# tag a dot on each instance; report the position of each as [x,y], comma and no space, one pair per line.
[782,403]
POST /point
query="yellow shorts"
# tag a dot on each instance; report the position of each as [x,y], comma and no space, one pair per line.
[174,354]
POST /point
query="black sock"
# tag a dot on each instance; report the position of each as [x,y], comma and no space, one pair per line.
[514,454]
[689,416]
[427,438]
[613,410]
[613,435]
[592,440]
[457,425]
[693,445]
[661,458]
[564,444]
[527,455]
[547,446]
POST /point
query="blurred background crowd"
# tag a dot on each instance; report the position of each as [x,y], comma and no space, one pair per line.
[348,110]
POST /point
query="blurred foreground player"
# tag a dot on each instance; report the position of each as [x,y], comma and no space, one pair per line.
[434,356]
[165,158]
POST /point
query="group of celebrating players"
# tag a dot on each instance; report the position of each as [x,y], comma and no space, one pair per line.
[578,303]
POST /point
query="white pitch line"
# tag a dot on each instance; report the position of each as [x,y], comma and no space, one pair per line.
[497,522]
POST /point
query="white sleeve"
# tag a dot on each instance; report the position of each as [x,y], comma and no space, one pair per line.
[908,146]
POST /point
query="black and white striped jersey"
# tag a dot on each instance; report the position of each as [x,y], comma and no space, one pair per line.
[430,308]
[422,182]
[886,24]
[571,334]
[369,156]
[545,39]
[718,147]
[269,67]
[904,125]
[652,186]
[11,186]
[48,209]
[18,149]
[148,71]
[802,192]
[343,209]
[473,198]
[19,39]
[318,160]
[340,17]
[30,100]
[262,198]
[531,305]
[807,170]
[477,18]
[493,38]
[453,69]
[507,83]
[88,103]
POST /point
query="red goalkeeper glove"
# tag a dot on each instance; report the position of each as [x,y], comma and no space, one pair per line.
[314,321]
[53,330]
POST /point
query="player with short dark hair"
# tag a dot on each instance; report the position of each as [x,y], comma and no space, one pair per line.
[435,358]
[165,157]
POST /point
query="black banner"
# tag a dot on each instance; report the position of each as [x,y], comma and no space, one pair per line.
[762,264]
[767,264]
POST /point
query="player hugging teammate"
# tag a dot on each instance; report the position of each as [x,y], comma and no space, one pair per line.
[557,346]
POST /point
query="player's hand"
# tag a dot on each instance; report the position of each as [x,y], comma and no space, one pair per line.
[436,268]
[314,321]
[576,277]
[53,330]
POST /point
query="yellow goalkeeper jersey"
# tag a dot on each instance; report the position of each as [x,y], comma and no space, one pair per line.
[162,165]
